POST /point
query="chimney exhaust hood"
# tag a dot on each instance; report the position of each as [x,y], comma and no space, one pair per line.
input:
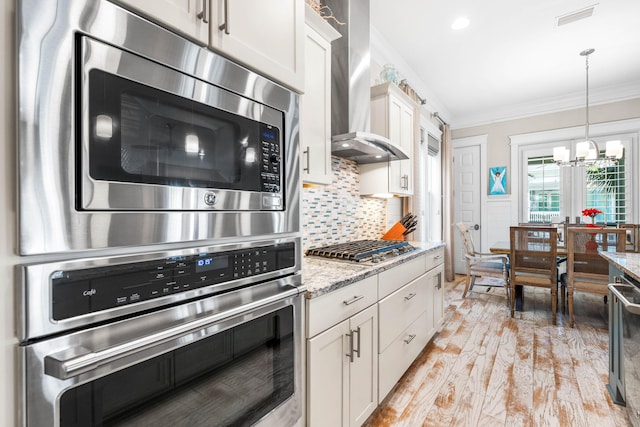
[350,88]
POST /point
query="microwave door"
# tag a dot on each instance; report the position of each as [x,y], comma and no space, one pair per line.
[174,142]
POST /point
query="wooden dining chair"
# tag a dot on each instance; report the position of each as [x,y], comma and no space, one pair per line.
[483,264]
[587,271]
[533,261]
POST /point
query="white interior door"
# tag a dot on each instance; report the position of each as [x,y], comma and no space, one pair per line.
[467,199]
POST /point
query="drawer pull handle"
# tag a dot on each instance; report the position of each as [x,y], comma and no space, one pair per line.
[437,257]
[411,295]
[352,300]
[411,337]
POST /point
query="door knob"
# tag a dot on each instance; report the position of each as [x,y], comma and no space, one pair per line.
[476,227]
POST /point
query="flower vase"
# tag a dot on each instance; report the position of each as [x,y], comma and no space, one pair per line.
[591,245]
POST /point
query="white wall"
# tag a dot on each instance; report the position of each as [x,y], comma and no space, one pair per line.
[8,366]
[499,150]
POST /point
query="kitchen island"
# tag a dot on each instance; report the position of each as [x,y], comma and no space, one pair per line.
[366,324]
[626,262]
[624,331]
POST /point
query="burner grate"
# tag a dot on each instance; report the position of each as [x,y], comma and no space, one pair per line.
[362,250]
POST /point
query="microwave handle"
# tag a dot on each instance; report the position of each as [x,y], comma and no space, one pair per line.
[64,368]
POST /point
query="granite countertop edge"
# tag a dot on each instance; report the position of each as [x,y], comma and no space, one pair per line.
[628,262]
[322,276]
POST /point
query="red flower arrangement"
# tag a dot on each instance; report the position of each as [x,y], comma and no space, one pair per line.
[592,213]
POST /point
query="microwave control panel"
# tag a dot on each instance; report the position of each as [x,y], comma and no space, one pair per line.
[79,292]
[271,159]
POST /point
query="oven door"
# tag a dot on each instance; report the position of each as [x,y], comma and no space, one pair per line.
[233,359]
[157,139]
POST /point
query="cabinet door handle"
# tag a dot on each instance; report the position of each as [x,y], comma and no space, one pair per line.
[411,295]
[225,25]
[439,281]
[204,15]
[350,354]
[352,300]
[358,342]
[411,337]
[308,154]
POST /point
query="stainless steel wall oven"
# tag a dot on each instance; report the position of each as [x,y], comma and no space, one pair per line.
[198,337]
[159,231]
[132,135]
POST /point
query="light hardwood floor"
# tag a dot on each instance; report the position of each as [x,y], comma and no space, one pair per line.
[484,368]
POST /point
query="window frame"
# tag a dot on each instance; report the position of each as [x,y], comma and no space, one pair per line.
[523,145]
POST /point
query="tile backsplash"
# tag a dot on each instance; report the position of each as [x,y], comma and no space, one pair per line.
[336,213]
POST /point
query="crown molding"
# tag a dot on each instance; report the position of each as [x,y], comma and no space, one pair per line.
[605,95]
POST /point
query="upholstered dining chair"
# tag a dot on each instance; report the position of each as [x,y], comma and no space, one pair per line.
[587,271]
[534,262]
[484,265]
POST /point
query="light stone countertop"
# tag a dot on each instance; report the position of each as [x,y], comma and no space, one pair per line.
[321,276]
[628,262]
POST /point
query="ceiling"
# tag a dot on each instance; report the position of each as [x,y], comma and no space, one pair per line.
[512,60]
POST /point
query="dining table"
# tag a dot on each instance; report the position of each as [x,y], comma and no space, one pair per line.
[503,247]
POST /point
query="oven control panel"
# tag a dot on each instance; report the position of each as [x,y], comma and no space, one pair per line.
[271,159]
[78,292]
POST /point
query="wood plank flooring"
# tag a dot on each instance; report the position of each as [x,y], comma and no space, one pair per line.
[484,368]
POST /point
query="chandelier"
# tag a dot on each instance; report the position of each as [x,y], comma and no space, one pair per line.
[587,153]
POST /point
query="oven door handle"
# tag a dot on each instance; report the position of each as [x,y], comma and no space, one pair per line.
[628,305]
[58,366]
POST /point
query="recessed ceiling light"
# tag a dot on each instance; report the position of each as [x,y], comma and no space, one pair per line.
[345,144]
[460,23]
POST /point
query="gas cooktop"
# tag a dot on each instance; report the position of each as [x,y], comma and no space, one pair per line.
[362,250]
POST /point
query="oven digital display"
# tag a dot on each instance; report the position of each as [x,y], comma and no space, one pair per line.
[211,263]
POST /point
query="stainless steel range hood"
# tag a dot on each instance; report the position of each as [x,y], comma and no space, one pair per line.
[350,88]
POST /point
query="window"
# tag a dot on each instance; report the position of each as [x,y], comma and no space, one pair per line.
[607,191]
[543,183]
[553,196]
[615,190]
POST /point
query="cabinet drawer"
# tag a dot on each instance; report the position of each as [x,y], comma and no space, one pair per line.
[435,258]
[396,277]
[401,308]
[395,360]
[332,308]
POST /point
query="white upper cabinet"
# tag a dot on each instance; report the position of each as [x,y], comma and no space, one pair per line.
[267,36]
[189,17]
[392,116]
[315,104]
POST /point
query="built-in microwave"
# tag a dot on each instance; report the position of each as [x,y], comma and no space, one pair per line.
[131,135]
[153,138]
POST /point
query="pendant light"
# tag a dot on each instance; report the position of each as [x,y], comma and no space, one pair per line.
[586,151]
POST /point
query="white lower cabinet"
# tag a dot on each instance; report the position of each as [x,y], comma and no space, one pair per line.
[437,283]
[409,316]
[396,358]
[362,338]
[342,380]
